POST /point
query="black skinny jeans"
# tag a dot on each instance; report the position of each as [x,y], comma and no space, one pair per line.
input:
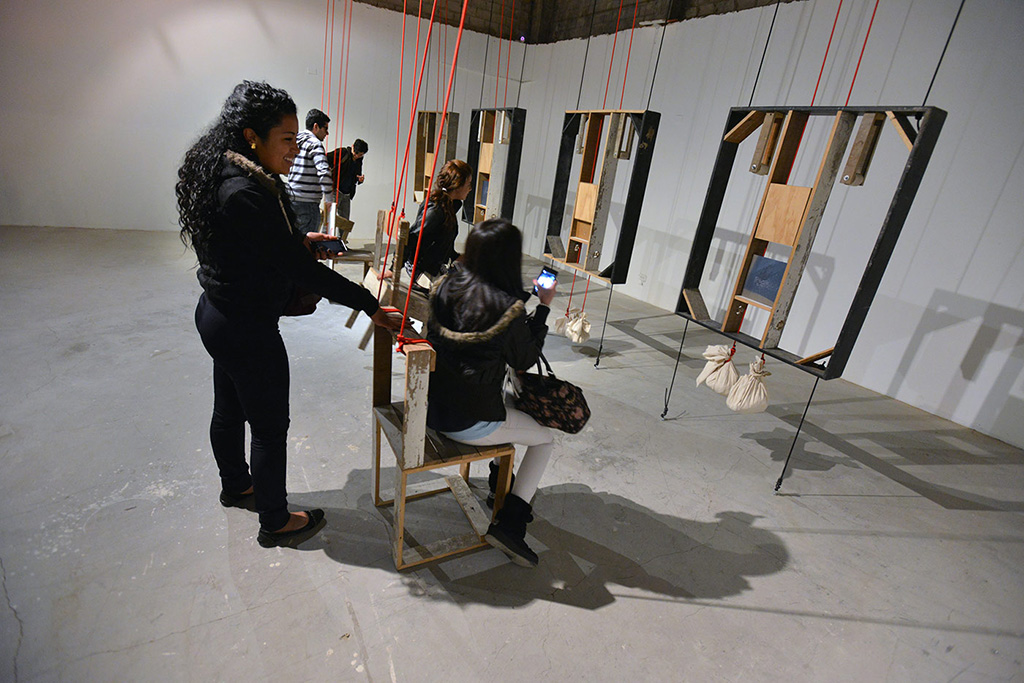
[250,384]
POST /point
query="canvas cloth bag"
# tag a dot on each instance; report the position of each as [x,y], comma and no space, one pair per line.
[719,374]
[749,394]
[574,325]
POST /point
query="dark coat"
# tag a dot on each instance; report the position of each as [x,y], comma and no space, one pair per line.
[466,385]
[255,260]
[344,166]
[439,232]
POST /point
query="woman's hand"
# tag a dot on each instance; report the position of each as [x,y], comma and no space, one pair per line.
[311,241]
[391,320]
[546,294]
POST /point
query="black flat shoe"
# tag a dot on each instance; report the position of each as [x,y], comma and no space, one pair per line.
[316,522]
[246,501]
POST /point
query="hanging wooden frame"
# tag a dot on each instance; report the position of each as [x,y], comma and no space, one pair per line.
[495,152]
[426,138]
[789,215]
[589,133]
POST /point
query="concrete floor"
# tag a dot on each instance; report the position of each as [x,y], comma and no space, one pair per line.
[895,551]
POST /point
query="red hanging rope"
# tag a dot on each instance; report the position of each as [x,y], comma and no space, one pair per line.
[625,71]
[612,60]
[583,306]
[323,80]
[572,287]
[440,133]
[339,138]
[330,63]
[408,141]
[861,54]
[827,47]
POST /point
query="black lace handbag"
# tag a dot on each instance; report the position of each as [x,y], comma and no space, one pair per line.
[552,402]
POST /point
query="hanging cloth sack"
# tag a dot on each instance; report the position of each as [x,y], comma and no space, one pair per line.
[574,325]
[719,373]
[552,402]
[749,394]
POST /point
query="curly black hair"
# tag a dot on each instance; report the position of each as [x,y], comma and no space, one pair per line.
[251,104]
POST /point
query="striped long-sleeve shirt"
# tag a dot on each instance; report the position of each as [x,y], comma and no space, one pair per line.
[310,177]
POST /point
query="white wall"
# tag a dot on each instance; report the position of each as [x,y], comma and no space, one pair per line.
[946,330]
[100,99]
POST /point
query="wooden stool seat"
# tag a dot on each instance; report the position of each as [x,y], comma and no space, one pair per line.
[419,449]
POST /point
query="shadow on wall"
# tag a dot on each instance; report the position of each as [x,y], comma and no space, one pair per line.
[1000,412]
[587,542]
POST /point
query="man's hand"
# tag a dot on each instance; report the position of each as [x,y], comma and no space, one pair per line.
[360,178]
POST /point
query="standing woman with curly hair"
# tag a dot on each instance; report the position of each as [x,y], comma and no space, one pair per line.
[235,213]
[440,227]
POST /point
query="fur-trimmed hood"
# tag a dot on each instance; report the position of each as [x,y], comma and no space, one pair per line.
[515,310]
[254,171]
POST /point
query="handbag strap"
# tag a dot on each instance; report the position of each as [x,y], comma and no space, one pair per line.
[547,365]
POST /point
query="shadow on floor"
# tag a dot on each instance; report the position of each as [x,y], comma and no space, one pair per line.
[914,448]
[587,542]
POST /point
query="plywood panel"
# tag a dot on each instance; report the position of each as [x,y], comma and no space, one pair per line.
[586,202]
[783,210]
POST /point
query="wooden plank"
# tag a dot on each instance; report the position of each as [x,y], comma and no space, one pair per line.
[381,382]
[419,360]
[864,144]
[747,125]
[469,503]
[422,489]
[842,127]
[752,302]
[604,111]
[555,247]
[814,357]
[766,142]
[789,141]
[586,202]
[904,128]
[439,550]
[782,213]
[603,204]
[486,157]
[695,302]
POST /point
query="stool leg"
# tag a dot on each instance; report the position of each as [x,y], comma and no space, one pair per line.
[400,519]
[375,463]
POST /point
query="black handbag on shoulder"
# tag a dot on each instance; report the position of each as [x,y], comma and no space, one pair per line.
[552,402]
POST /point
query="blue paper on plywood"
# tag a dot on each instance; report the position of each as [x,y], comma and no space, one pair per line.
[763,280]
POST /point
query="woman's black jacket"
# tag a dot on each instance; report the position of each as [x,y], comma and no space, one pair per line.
[254,260]
[439,232]
[466,385]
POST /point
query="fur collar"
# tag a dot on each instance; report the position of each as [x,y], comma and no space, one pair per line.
[517,309]
[254,171]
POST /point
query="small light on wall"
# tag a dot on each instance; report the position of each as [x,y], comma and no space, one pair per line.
[522,39]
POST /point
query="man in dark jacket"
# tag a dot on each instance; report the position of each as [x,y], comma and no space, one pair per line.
[347,170]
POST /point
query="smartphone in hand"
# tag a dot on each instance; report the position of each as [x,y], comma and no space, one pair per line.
[546,279]
[332,247]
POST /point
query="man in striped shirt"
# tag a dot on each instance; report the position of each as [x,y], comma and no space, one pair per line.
[310,178]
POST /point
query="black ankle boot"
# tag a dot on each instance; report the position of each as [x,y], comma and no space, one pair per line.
[492,482]
[508,533]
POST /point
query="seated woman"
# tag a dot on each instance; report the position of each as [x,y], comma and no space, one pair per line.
[440,226]
[479,326]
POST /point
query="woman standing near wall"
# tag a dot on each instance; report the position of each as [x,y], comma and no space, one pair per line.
[235,213]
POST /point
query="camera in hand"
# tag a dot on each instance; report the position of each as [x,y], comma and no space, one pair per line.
[546,279]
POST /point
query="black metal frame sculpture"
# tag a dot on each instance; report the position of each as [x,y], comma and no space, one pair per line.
[513,145]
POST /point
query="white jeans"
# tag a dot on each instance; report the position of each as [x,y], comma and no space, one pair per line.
[519,428]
